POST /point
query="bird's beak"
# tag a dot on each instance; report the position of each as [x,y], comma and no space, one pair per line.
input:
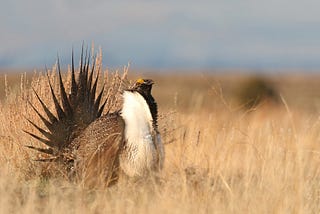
[149,82]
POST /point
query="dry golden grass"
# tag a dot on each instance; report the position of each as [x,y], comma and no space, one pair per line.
[219,158]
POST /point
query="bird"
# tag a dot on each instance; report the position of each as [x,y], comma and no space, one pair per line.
[96,148]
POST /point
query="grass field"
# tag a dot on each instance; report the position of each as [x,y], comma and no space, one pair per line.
[220,156]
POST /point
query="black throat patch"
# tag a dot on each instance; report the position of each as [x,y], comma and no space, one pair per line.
[153,109]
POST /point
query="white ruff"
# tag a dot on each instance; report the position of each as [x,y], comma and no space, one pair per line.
[138,129]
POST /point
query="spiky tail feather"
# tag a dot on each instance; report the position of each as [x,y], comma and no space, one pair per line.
[74,112]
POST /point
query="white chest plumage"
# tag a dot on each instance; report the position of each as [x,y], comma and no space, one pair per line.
[139,155]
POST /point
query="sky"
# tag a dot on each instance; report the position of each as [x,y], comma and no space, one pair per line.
[167,34]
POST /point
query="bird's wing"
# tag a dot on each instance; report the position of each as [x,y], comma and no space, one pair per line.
[98,150]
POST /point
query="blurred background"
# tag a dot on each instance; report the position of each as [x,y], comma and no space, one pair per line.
[237,53]
[255,35]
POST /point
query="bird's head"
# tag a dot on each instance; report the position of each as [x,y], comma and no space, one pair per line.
[143,86]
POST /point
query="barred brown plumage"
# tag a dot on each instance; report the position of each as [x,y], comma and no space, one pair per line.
[94,147]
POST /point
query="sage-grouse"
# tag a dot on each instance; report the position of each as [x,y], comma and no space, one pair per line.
[93,147]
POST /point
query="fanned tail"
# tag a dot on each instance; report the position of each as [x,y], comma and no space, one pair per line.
[73,112]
